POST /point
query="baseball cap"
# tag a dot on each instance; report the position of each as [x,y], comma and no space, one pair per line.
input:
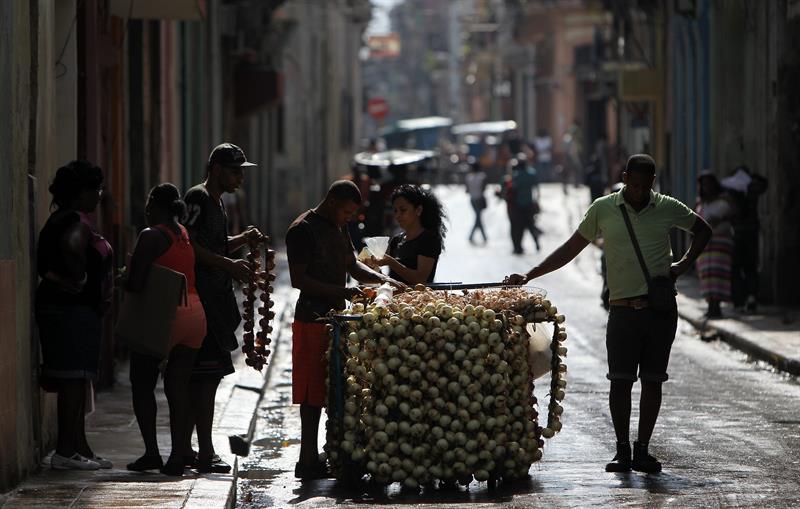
[228,154]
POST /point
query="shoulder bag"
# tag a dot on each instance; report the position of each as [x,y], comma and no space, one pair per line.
[145,318]
[661,290]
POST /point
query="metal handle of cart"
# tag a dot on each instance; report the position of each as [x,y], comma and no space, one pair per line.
[335,367]
[458,285]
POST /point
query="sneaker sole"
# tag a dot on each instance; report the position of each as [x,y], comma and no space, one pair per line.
[74,467]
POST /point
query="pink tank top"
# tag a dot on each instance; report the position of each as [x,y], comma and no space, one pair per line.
[180,255]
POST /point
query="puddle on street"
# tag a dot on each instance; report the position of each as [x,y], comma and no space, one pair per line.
[259,474]
[275,442]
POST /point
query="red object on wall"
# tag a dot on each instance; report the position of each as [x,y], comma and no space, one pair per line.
[378,108]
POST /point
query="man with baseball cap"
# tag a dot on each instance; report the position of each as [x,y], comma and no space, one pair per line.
[207,223]
[228,155]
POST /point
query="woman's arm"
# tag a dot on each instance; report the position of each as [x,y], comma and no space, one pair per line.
[149,246]
[72,245]
[413,276]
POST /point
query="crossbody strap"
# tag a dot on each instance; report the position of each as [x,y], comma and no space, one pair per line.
[635,243]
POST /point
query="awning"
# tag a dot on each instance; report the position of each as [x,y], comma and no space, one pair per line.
[498,127]
[185,10]
[396,157]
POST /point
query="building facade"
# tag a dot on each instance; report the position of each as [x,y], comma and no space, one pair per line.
[145,89]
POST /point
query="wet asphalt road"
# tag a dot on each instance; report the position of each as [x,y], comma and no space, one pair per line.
[728,434]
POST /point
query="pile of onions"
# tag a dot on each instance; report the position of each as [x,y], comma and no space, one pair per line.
[437,387]
[256,339]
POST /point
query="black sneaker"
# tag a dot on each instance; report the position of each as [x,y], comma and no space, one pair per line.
[642,461]
[622,460]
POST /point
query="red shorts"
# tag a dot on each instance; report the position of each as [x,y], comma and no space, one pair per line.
[189,327]
[309,366]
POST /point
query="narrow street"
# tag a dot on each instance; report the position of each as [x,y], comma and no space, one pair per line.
[726,434]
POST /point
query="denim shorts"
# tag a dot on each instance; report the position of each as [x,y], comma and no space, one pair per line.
[638,342]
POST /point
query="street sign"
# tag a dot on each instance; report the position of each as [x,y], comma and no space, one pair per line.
[378,108]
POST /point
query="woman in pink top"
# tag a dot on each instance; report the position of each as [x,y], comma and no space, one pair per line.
[165,242]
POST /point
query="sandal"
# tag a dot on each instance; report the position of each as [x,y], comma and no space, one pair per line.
[212,465]
[311,472]
[146,463]
[190,460]
[173,468]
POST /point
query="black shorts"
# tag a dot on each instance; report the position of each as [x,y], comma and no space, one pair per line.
[639,341]
[212,361]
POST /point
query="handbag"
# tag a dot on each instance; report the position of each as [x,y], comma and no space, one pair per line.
[146,317]
[661,290]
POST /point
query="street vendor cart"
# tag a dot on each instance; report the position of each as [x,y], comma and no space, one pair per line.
[435,386]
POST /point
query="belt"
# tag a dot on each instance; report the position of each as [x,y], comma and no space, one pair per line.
[635,303]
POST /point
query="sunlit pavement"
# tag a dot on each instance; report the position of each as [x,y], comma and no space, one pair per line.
[728,434]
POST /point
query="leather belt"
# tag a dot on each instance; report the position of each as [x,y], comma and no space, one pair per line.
[635,303]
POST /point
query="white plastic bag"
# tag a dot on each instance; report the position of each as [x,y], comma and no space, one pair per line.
[540,356]
[385,293]
[377,246]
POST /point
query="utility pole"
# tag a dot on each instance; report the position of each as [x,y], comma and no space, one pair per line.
[454,60]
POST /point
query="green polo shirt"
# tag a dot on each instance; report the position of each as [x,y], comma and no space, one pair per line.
[651,226]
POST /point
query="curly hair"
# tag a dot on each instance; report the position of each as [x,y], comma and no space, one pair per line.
[433,215]
[72,179]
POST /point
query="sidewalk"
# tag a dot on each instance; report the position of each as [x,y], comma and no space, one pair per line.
[114,434]
[771,335]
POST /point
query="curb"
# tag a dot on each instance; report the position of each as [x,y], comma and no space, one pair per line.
[780,362]
[246,398]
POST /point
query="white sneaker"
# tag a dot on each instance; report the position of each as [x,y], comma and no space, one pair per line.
[74,462]
[104,463]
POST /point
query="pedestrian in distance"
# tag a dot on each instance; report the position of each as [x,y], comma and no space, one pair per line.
[320,255]
[475,182]
[521,195]
[413,254]
[74,262]
[635,224]
[714,263]
[745,188]
[216,269]
[543,146]
[165,242]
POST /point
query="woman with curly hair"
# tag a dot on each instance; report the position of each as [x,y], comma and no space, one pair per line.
[413,254]
[74,263]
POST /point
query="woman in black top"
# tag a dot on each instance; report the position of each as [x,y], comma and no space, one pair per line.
[413,254]
[74,262]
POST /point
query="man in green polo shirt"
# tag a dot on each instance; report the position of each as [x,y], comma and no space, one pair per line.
[638,337]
